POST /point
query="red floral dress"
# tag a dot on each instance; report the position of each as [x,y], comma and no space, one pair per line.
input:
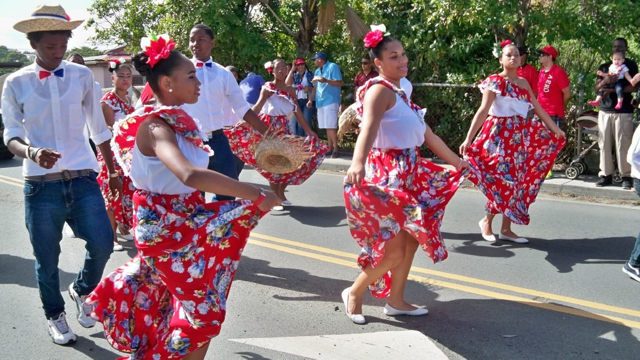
[121,207]
[512,155]
[171,298]
[242,139]
[400,191]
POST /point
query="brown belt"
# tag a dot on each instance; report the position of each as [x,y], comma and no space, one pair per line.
[65,175]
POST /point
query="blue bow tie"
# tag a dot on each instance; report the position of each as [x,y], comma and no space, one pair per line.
[45,74]
[201,64]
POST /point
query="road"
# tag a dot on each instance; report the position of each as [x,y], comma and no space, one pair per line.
[562,296]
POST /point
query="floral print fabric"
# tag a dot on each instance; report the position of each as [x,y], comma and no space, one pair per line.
[170,299]
[243,138]
[511,156]
[401,191]
[122,206]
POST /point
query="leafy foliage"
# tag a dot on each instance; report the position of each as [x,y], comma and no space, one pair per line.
[85,51]
[11,56]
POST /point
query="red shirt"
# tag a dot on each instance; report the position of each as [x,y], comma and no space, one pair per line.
[550,86]
[361,78]
[530,74]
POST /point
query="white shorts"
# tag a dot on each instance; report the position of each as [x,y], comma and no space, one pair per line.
[328,116]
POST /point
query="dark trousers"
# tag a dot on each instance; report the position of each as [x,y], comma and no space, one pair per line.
[223,161]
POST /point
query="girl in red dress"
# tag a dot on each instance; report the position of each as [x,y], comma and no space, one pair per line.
[116,105]
[170,299]
[512,154]
[394,199]
[275,106]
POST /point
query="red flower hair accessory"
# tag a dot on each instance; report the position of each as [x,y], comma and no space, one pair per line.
[373,38]
[505,43]
[269,66]
[157,48]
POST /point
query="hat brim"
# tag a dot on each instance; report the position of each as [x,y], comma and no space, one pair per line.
[36,25]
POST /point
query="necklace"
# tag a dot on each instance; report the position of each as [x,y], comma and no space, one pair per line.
[121,99]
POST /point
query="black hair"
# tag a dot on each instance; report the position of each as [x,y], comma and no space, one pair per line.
[36,36]
[118,67]
[523,50]
[619,53]
[164,67]
[376,52]
[73,55]
[623,40]
[207,30]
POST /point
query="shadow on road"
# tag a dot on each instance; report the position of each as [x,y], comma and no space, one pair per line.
[21,271]
[473,328]
[15,162]
[561,253]
[323,217]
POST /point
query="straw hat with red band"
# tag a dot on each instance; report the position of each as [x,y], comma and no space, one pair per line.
[47,18]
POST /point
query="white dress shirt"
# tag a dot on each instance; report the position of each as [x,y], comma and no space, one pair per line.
[217,86]
[52,113]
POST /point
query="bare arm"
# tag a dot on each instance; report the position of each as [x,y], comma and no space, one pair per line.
[289,79]
[312,97]
[378,100]
[538,110]
[488,97]
[156,138]
[109,115]
[439,148]
[115,185]
[566,95]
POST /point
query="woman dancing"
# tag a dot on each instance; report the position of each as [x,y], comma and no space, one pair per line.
[394,199]
[512,154]
[170,300]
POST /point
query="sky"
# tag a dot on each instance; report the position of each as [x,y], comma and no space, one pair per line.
[22,9]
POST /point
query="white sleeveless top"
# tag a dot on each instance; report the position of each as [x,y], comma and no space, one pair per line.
[400,128]
[277,105]
[149,173]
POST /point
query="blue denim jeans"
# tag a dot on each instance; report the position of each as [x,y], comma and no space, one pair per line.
[635,254]
[294,125]
[78,202]
[223,161]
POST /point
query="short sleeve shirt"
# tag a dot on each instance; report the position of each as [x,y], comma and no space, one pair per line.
[608,103]
[550,86]
[361,78]
[530,74]
[328,94]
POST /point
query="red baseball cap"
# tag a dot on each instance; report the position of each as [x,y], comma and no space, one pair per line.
[549,50]
[299,61]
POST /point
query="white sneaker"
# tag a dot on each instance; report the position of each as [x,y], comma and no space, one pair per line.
[84,310]
[117,247]
[127,237]
[60,331]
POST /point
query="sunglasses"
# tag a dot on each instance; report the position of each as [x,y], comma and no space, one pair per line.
[544,54]
[365,63]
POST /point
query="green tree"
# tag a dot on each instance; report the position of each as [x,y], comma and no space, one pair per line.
[85,51]
[14,60]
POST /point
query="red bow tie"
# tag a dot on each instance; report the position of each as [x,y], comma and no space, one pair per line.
[201,64]
[45,74]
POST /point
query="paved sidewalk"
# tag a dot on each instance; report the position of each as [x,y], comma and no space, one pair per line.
[584,185]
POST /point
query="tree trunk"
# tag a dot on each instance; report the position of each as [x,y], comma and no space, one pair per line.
[307,24]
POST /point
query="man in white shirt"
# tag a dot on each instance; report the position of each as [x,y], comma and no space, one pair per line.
[217,87]
[47,106]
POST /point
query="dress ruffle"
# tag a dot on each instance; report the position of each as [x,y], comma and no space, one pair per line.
[401,191]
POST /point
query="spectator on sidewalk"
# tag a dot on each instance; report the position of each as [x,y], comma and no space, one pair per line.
[632,267]
[46,106]
[554,91]
[250,87]
[615,126]
[326,93]
[527,71]
[366,74]
[300,78]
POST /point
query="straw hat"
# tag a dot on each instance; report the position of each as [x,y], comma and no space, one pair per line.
[47,18]
[348,123]
[281,154]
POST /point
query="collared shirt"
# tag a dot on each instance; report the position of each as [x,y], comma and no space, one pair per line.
[327,94]
[217,86]
[550,85]
[361,78]
[53,113]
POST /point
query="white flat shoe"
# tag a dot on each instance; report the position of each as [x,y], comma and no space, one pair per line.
[127,237]
[519,240]
[117,247]
[356,318]
[489,238]
[286,203]
[389,311]
[277,208]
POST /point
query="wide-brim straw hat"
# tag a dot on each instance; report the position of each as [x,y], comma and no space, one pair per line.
[281,154]
[47,18]
[348,122]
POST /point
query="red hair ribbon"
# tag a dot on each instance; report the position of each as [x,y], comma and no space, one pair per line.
[505,43]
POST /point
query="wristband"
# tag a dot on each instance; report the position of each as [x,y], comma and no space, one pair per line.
[114,175]
[27,152]
[260,198]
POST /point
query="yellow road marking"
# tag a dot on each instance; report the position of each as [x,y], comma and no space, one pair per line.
[478,291]
[11,181]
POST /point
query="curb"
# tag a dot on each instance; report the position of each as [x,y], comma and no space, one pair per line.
[583,186]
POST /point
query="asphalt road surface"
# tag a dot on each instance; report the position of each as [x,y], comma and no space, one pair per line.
[562,296]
